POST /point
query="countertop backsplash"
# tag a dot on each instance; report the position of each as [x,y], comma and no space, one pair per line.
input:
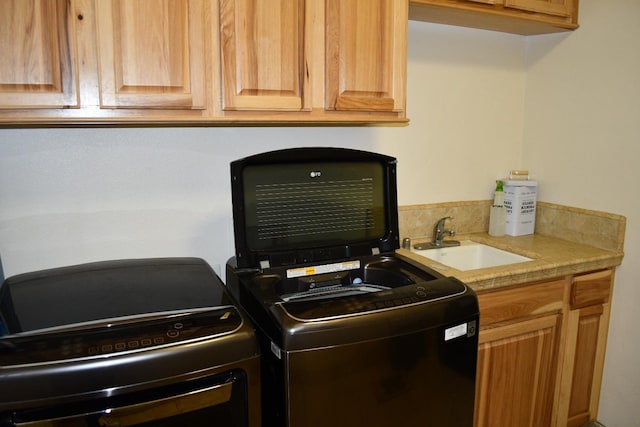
[599,229]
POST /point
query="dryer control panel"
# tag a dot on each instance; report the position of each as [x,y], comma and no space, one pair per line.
[115,336]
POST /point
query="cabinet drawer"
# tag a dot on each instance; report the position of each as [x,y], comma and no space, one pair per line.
[590,289]
[507,304]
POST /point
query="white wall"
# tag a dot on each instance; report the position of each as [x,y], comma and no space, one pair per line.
[76,195]
[480,103]
[465,102]
[582,137]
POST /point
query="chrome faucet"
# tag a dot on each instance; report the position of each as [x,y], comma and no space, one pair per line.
[440,232]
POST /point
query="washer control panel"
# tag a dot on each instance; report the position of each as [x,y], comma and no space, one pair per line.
[384,299]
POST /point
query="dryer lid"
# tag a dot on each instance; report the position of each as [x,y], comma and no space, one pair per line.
[303,205]
[65,296]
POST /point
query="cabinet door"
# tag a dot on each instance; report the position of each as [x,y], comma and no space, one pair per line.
[38,66]
[366,55]
[551,7]
[151,53]
[586,343]
[261,53]
[516,371]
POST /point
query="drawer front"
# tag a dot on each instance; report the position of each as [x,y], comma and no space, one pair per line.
[510,304]
[591,289]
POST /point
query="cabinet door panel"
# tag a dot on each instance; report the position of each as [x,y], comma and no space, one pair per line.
[151,53]
[516,368]
[38,68]
[261,53]
[551,7]
[365,55]
[585,357]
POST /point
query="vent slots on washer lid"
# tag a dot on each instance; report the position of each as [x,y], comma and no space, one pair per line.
[314,208]
[286,208]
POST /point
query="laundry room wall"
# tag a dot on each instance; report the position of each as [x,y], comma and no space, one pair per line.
[72,195]
[582,137]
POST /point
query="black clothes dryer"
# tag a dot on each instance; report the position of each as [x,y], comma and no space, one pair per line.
[144,342]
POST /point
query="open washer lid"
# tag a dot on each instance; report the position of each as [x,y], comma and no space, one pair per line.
[304,205]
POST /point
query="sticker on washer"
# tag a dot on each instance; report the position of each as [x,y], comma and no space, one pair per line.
[276,350]
[322,269]
[455,332]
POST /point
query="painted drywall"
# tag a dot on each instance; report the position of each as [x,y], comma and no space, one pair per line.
[77,195]
[582,138]
[465,101]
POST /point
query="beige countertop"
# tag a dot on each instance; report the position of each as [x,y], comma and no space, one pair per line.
[552,258]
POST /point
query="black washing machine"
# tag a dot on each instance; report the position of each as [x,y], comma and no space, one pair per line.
[351,332]
[145,342]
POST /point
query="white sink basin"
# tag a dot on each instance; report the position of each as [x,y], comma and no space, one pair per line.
[471,256]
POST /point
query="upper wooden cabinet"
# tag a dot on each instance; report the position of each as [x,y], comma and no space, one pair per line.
[513,16]
[203,61]
[151,53]
[366,55]
[549,7]
[261,54]
[333,60]
[37,44]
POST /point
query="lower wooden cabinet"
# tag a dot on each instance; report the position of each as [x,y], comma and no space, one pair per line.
[520,330]
[516,372]
[587,327]
[541,352]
